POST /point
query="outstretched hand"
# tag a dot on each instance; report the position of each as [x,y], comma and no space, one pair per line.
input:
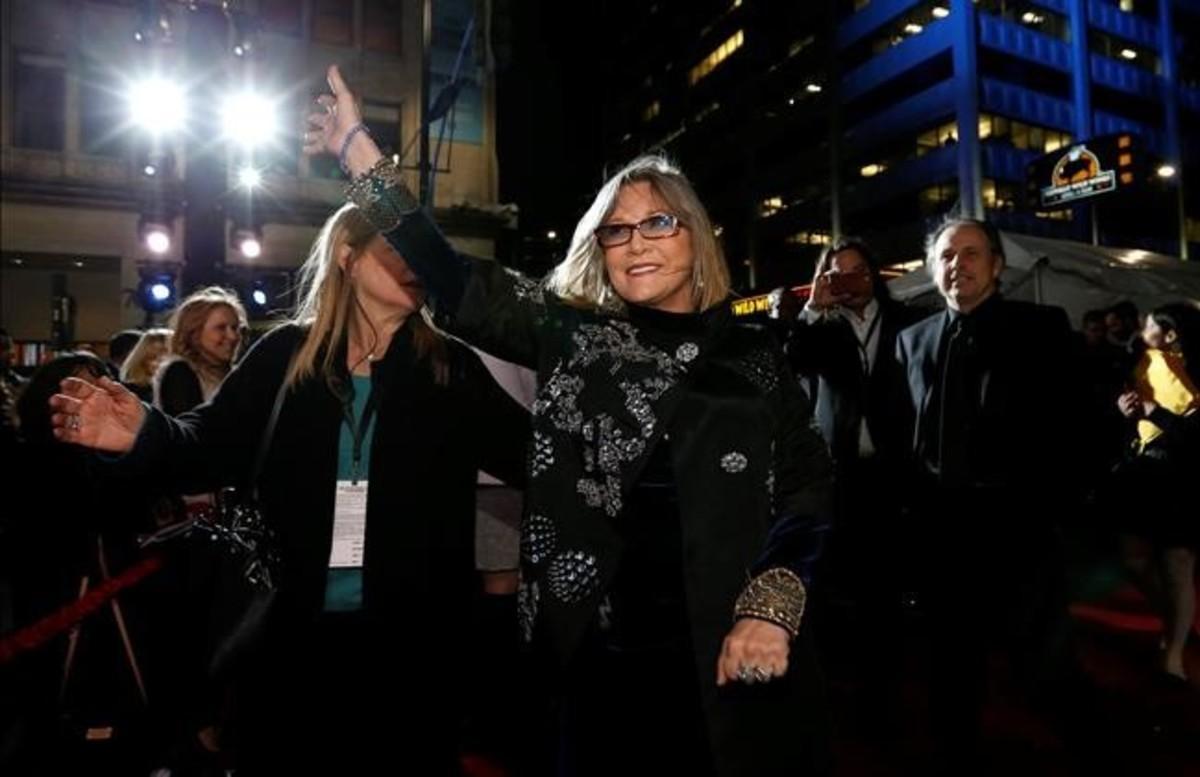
[103,415]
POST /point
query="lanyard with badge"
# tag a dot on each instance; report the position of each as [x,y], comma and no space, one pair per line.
[865,343]
[350,506]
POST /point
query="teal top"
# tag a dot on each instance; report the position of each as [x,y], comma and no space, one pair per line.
[343,587]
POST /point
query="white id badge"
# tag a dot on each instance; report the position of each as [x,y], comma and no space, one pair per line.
[349,525]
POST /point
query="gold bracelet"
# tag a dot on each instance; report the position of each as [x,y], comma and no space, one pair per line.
[381,194]
[777,595]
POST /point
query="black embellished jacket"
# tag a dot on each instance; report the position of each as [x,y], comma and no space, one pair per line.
[753,474]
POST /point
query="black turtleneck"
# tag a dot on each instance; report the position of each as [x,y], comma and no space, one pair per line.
[647,608]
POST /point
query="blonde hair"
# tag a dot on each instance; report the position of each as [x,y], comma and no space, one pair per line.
[581,277]
[153,344]
[189,319]
[327,301]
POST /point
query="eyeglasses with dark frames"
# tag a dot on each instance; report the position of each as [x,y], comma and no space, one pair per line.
[655,227]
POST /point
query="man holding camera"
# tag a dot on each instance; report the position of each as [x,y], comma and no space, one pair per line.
[843,347]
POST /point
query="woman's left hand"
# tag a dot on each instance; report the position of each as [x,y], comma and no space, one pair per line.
[755,651]
[328,127]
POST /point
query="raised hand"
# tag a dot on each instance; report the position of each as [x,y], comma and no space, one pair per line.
[327,128]
[103,415]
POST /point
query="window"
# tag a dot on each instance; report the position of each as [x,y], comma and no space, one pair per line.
[719,55]
[943,135]
[814,237]
[1146,8]
[39,103]
[1029,15]
[1056,140]
[770,206]
[1037,138]
[1027,137]
[937,198]
[333,22]
[1019,136]
[383,25]
[985,126]
[1124,51]
[997,129]
[101,115]
[999,195]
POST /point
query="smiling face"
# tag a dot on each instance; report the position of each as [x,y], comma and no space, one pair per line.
[218,340]
[651,273]
[1154,335]
[965,268]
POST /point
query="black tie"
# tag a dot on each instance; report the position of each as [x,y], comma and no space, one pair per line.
[958,408]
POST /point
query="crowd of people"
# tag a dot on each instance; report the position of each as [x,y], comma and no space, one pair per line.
[698,499]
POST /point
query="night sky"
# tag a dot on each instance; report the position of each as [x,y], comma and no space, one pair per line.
[549,110]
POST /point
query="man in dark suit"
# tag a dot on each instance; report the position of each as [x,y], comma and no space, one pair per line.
[990,395]
[843,346]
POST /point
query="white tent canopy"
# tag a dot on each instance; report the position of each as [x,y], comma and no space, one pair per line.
[1076,276]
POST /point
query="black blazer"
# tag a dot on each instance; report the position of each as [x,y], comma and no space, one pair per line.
[1027,431]
[428,443]
[826,353]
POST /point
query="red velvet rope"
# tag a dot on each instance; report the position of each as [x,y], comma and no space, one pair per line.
[61,620]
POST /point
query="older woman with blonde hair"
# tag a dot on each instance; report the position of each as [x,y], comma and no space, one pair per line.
[380,424]
[677,494]
[207,330]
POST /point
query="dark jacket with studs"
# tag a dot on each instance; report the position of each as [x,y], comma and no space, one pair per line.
[753,474]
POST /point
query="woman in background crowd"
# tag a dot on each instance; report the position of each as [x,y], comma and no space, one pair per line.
[142,364]
[1165,403]
[208,328]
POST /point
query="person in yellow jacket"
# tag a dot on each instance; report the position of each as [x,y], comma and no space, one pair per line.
[1164,402]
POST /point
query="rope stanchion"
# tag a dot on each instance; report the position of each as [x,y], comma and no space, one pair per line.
[62,620]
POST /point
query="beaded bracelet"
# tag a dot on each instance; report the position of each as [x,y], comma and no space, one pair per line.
[777,596]
[357,128]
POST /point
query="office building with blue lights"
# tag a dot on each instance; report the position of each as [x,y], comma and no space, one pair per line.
[878,117]
[945,104]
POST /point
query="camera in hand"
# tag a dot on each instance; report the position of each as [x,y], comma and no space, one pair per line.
[853,283]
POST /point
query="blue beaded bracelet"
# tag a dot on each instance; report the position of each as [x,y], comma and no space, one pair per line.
[357,128]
